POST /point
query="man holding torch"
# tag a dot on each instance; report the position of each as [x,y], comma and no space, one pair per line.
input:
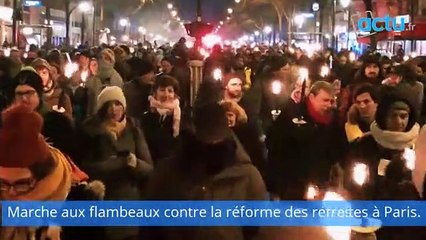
[303,147]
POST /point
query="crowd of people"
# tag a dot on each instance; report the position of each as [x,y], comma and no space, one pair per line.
[276,122]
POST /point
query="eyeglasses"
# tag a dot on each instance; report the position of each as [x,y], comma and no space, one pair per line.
[20,187]
[26,94]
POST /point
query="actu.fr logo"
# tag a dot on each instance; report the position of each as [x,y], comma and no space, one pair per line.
[371,25]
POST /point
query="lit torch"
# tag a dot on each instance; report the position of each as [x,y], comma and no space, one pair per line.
[360,173]
[352,56]
[312,192]
[303,77]
[410,158]
[7,52]
[83,77]
[70,69]
[217,74]
[337,233]
[325,71]
[276,90]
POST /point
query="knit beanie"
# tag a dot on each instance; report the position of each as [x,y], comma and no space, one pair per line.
[394,101]
[28,76]
[21,142]
[113,93]
[40,63]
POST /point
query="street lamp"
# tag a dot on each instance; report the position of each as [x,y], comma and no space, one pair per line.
[124,22]
[170,6]
[299,20]
[85,6]
[230,10]
[267,29]
[345,3]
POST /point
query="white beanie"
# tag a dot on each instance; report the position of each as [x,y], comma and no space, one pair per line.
[113,93]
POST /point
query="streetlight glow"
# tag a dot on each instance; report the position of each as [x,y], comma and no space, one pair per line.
[267,29]
[299,20]
[85,6]
[345,3]
[124,22]
[142,30]
[230,10]
[170,6]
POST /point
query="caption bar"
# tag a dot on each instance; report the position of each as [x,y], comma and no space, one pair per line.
[214,213]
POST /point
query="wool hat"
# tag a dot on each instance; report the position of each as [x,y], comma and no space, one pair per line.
[40,63]
[28,76]
[108,56]
[392,101]
[113,93]
[21,142]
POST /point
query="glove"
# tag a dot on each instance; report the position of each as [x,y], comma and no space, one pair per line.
[132,161]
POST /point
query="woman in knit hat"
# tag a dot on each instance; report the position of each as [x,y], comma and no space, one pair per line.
[393,134]
[105,77]
[162,122]
[54,96]
[116,153]
[30,169]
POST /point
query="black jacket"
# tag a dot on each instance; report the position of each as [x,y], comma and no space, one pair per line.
[301,152]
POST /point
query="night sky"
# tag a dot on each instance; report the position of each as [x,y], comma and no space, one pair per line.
[213,10]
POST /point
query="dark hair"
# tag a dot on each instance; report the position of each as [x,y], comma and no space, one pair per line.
[385,104]
[367,88]
[126,49]
[166,81]
[43,169]
[169,59]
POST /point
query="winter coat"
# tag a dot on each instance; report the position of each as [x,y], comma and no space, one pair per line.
[375,150]
[420,169]
[137,99]
[301,151]
[159,135]
[105,158]
[78,96]
[251,143]
[106,77]
[205,173]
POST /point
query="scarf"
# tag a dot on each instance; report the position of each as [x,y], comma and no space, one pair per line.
[317,117]
[54,187]
[168,108]
[395,140]
[115,128]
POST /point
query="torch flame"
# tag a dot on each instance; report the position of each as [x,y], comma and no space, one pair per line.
[303,74]
[70,69]
[276,87]
[84,75]
[360,173]
[217,74]
[7,52]
[410,158]
[312,192]
[352,56]
[325,71]
[337,233]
